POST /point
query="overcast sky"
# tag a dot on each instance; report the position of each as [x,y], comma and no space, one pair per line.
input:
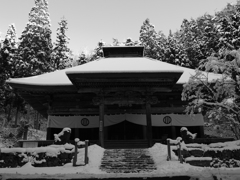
[89,21]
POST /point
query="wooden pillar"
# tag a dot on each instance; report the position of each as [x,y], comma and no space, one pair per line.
[149,124]
[201,135]
[174,136]
[49,134]
[101,124]
[144,132]
[36,120]
[76,133]
[106,133]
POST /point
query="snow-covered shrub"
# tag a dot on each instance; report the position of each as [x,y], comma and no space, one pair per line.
[186,135]
[199,161]
[54,155]
[228,163]
[63,136]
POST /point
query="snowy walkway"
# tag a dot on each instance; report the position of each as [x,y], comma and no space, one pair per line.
[156,158]
[127,161]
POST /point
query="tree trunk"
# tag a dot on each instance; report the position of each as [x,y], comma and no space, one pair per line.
[36,120]
[16,116]
[25,133]
[237,128]
[236,131]
[9,114]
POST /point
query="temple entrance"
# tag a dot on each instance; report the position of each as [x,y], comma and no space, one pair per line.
[125,131]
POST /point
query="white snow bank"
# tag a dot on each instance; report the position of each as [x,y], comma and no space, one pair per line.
[173,141]
[192,158]
[95,154]
[174,167]
[62,146]
[52,150]
[225,144]
[91,170]
[231,145]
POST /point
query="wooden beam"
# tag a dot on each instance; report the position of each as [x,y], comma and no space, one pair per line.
[174,136]
[124,101]
[154,110]
[114,89]
[76,130]
[201,135]
[101,125]
[149,124]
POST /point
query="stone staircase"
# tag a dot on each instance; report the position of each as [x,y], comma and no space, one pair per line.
[127,161]
[125,144]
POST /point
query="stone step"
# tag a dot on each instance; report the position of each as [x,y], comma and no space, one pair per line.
[129,167]
[150,169]
[128,171]
[127,161]
[127,144]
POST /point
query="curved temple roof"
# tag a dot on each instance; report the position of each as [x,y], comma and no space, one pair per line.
[108,65]
[111,71]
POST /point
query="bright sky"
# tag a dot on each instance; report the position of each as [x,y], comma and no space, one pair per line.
[90,21]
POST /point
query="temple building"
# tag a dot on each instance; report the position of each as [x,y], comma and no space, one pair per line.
[122,97]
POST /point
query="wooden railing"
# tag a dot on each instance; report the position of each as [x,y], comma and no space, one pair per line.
[34,143]
[77,144]
[171,142]
[210,140]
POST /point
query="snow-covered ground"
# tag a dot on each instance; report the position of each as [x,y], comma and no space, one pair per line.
[91,170]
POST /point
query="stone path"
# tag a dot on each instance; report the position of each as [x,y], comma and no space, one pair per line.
[127,161]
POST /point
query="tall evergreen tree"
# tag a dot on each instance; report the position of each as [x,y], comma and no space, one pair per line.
[228,28]
[35,45]
[154,43]
[60,55]
[174,51]
[130,42]
[97,52]
[149,39]
[116,42]
[7,64]
[189,34]
[8,52]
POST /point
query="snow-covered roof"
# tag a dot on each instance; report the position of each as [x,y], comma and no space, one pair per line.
[109,65]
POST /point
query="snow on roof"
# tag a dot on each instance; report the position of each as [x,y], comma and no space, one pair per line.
[126,64]
[109,65]
[57,77]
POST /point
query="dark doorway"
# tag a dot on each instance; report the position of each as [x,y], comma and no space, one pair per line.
[83,134]
[161,132]
[86,134]
[125,131]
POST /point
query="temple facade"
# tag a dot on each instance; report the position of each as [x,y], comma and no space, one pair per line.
[123,96]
